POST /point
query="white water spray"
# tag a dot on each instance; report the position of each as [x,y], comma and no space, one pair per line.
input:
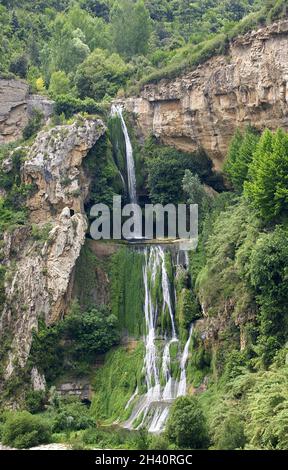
[116,110]
[183,380]
[152,409]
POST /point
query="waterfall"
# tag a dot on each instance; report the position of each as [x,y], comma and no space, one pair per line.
[183,381]
[152,409]
[116,110]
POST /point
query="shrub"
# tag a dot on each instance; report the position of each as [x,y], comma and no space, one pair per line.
[34,124]
[186,425]
[158,442]
[166,168]
[23,430]
[19,65]
[72,416]
[93,332]
[68,105]
[59,84]
[232,434]
[35,401]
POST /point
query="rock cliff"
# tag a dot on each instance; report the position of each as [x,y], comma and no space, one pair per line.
[16,106]
[40,271]
[249,85]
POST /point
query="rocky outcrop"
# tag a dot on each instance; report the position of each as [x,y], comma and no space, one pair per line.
[41,270]
[16,106]
[78,387]
[54,167]
[13,109]
[204,107]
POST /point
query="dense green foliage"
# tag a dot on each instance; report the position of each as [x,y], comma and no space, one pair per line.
[74,342]
[127,290]
[14,191]
[71,415]
[22,430]
[186,425]
[115,383]
[240,270]
[90,48]
[267,184]
[239,157]
[166,168]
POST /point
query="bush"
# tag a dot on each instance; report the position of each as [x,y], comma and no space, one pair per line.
[72,416]
[166,168]
[23,430]
[232,434]
[158,442]
[34,124]
[19,66]
[59,84]
[35,401]
[68,105]
[93,332]
[186,425]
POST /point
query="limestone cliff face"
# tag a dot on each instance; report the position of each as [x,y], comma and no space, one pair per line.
[204,107]
[54,166]
[41,273]
[16,106]
[13,109]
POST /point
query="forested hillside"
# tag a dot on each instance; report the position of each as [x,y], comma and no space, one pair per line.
[99,48]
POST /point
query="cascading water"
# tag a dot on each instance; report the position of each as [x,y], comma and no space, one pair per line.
[183,381]
[152,409]
[116,110]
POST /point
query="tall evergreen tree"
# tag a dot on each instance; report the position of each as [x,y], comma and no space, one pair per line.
[240,155]
[268,185]
[130,28]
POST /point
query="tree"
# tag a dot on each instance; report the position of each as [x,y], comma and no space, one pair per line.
[67,48]
[59,84]
[240,154]
[19,65]
[40,85]
[267,188]
[196,193]
[93,332]
[130,24]
[268,272]
[166,168]
[101,74]
[231,433]
[98,8]
[186,425]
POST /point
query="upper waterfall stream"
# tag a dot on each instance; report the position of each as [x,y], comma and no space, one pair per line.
[116,110]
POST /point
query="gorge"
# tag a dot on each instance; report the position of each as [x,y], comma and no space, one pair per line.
[135,343]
